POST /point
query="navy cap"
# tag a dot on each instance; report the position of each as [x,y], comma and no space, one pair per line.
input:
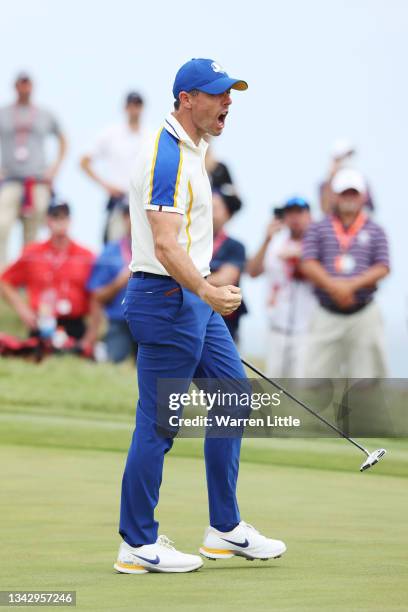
[134,97]
[57,206]
[296,202]
[229,196]
[205,75]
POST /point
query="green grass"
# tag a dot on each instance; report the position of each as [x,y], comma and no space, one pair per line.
[65,426]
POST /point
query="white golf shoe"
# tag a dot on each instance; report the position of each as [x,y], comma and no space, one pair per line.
[158,557]
[243,541]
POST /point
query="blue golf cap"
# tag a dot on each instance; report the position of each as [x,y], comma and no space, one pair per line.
[296,202]
[205,75]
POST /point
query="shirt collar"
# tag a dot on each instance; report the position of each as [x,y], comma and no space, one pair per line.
[50,247]
[175,128]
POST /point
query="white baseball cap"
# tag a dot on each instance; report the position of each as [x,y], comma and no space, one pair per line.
[348,178]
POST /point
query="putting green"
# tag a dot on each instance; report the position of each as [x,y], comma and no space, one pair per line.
[63,448]
[346,535]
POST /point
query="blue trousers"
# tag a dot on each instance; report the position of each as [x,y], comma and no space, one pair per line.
[178,336]
[118,341]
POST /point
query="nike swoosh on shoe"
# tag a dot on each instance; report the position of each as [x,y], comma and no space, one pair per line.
[241,544]
[155,561]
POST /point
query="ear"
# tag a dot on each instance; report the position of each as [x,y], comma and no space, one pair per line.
[185,99]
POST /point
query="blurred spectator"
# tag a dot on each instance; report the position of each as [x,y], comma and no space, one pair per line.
[342,156]
[117,146]
[107,283]
[54,274]
[345,255]
[218,172]
[291,301]
[24,175]
[228,260]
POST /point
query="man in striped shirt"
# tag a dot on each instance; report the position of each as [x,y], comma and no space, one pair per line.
[345,255]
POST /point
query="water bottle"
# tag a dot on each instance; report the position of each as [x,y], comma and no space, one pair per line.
[46,322]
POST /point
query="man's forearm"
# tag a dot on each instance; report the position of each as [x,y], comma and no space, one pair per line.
[370,277]
[12,296]
[23,310]
[94,322]
[314,271]
[106,294]
[228,274]
[255,265]
[326,197]
[86,165]
[62,150]
[87,168]
[180,266]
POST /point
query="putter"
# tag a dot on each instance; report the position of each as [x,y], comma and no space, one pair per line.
[372,458]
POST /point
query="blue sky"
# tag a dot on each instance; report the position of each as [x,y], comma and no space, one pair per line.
[317,70]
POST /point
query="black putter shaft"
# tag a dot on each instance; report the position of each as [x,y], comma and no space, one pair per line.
[298,401]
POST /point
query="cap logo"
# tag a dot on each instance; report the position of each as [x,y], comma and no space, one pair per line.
[217,68]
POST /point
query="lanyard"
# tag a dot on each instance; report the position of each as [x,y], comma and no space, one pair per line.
[219,240]
[126,250]
[23,129]
[56,259]
[345,235]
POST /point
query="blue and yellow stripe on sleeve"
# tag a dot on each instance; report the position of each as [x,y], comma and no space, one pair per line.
[166,171]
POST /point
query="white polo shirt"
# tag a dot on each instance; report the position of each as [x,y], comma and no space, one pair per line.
[291,300]
[170,175]
[117,148]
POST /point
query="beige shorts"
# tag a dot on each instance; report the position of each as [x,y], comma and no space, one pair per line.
[11,193]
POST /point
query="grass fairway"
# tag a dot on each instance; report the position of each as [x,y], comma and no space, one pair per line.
[65,427]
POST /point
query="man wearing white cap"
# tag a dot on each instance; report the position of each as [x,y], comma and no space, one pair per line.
[343,154]
[345,255]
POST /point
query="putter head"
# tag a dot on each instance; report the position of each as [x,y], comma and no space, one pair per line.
[373,458]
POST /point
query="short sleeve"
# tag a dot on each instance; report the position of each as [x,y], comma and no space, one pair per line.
[310,244]
[380,254]
[17,273]
[105,269]
[164,185]
[236,255]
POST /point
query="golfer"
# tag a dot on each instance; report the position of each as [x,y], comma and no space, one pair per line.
[174,315]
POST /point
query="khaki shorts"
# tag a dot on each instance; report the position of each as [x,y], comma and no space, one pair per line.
[11,193]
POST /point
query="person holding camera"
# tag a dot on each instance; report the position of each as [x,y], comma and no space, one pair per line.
[290,300]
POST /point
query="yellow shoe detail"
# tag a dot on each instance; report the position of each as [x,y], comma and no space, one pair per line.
[217,551]
[130,566]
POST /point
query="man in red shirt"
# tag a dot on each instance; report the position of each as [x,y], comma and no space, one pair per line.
[54,274]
